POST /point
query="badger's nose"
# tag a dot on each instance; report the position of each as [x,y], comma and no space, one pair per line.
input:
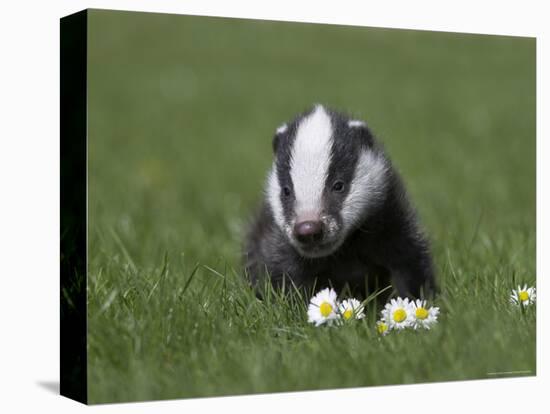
[308,231]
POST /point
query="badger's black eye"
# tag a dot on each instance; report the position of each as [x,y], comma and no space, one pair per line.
[286,191]
[338,186]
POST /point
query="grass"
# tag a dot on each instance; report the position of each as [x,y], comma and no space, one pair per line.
[181,114]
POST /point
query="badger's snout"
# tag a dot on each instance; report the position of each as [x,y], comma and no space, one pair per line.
[315,237]
[308,232]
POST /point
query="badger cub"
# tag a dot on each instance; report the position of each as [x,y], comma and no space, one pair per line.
[336,213]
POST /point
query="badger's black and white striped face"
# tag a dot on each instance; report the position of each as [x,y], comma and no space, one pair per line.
[327,175]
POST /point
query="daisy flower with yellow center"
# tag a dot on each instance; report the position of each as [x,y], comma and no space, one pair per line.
[523,296]
[323,307]
[382,328]
[424,317]
[351,309]
[398,314]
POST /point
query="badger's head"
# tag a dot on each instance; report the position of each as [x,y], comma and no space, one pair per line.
[327,176]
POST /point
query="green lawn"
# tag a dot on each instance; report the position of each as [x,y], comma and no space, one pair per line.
[181,115]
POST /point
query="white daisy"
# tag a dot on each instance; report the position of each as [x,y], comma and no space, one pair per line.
[382,328]
[351,309]
[398,314]
[523,295]
[424,317]
[323,307]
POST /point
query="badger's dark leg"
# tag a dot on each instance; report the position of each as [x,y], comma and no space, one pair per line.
[252,271]
[267,256]
[256,269]
[403,248]
[414,276]
[407,256]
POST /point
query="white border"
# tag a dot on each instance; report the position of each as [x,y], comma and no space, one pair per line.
[29,204]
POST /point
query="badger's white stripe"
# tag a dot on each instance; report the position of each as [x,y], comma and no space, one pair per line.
[355,123]
[367,187]
[274,197]
[282,129]
[310,161]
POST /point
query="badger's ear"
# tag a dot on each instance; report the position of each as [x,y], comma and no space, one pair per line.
[277,137]
[360,129]
[355,123]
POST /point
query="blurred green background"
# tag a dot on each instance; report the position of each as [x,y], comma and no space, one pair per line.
[182,110]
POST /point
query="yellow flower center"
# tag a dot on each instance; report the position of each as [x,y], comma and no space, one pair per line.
[348,314]
[523,296]
[399,315]
[326,309]
[421,313]
[381,328]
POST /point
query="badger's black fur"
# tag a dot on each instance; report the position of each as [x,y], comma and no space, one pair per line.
[356,228]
